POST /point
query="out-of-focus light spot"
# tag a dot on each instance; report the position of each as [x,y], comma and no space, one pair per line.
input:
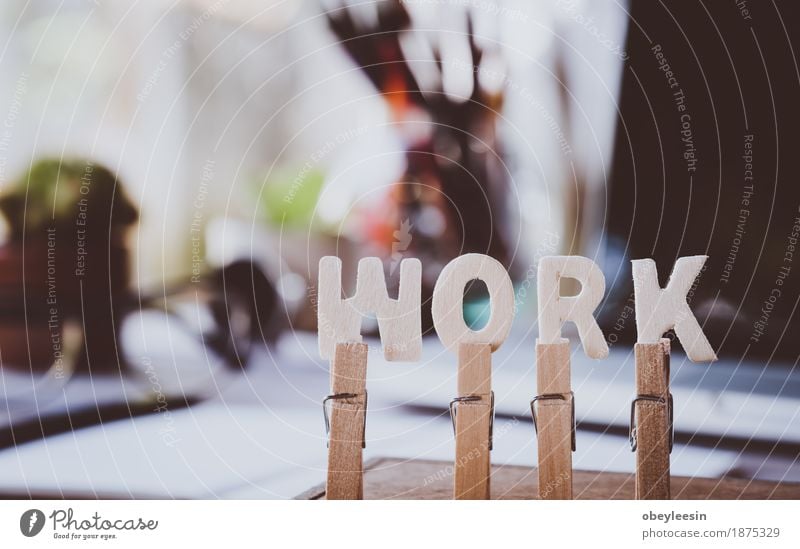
[492,75]
[431,222]
[456,76]
[333,205]
[292,287]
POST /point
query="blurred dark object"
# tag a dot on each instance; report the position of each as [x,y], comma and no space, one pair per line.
[452,198]
[242,306]
[67,258]
[242,286]
[705,164]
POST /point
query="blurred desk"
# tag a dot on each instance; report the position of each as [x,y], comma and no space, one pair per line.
[259,433]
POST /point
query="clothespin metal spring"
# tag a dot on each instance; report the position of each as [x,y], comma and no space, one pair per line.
[343,396]
[474,398]
[554,396]
[659,400]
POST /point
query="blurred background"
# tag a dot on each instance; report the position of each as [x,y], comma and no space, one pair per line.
[171,174]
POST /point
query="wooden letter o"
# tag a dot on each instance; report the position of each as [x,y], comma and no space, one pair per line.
[448,302]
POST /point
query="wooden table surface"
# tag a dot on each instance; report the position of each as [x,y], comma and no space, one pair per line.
[388,478]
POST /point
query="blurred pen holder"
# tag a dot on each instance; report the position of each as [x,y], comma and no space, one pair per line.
[66,258]
[43,285]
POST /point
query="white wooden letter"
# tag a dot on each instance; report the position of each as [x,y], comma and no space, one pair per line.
[399,320]
[555,309]
[448,301]
[659,310]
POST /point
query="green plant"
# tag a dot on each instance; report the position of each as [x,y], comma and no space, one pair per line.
[289,198]
[65,191]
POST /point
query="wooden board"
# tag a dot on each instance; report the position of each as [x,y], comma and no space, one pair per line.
[388,478]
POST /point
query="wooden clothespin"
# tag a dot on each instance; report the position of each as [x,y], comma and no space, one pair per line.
[554,420]
[651,420]
[345,421]
[472,410]
[657,311]
[339,330]
[553,409]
